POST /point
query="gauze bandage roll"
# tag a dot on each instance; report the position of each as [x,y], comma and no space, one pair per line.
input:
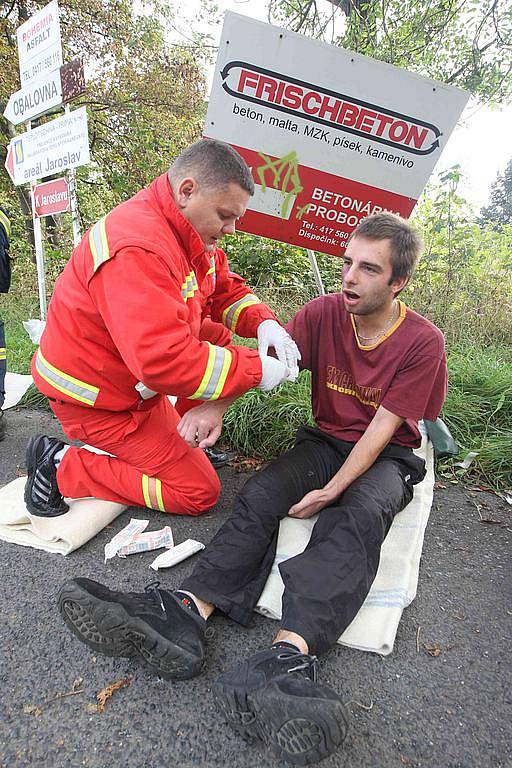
[177,554]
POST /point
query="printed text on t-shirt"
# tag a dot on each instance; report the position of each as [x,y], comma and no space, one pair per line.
[343,381]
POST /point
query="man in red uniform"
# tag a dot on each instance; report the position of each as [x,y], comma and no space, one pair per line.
[144,309]
[377,368]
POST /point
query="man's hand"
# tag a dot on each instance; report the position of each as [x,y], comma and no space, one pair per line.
[201,426]
[271,334]
[311,503]
[378,434]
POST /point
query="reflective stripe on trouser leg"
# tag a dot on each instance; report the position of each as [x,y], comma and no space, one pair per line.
[152,492]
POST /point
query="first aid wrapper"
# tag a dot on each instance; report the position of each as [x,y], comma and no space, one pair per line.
[125,537]
[132,540]
[177,554]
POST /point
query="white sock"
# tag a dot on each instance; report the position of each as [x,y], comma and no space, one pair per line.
[60,455]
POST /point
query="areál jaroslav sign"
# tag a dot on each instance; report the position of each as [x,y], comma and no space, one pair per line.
[331,136]
[59,144]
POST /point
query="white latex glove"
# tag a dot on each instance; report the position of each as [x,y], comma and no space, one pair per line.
[271,334]
[274,373]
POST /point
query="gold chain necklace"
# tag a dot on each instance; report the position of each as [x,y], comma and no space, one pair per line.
[391,320]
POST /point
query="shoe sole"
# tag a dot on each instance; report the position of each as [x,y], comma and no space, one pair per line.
[108,628]
[298,730]
[30,470]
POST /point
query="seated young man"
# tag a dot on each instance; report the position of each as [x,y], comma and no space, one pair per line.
[377,368]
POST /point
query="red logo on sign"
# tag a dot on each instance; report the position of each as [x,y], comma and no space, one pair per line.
[51,197]
[335,110]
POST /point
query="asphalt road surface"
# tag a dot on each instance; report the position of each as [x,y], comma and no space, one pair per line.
[442,699]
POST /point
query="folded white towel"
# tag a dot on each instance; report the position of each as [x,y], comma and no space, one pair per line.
[63,534]
[375,626]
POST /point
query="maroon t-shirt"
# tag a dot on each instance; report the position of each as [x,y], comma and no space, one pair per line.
[405,371]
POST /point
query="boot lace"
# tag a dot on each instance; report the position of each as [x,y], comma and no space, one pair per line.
[152,591]
[304,662]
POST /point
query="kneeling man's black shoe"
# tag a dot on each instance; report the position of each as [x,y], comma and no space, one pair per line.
[153,625]
[217,457]
[274,697]
[42,495]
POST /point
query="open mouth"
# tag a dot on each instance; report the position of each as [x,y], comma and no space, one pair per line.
[350,295]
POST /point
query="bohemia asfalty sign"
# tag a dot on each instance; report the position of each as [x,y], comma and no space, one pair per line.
[331,136]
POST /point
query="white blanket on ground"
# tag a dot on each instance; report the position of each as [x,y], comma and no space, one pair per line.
[62,534]
[375,626]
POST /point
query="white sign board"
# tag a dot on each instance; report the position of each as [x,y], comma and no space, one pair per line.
[331,136]
[59,144]
[39,44]
[35,99]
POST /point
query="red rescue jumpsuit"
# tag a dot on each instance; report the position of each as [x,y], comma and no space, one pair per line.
[134,304]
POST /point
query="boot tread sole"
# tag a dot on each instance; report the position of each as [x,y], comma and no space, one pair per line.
[114,632]
[298,730]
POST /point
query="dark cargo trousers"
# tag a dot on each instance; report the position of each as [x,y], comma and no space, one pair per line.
[325,585]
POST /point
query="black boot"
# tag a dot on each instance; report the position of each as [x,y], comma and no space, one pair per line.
[217,457]
[152,624]
[42,495]
[274,697]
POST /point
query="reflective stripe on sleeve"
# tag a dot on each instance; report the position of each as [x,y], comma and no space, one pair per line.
[98,243]
[231,314]
[217,368]
[74,388]
[152,492]
[212,271]
[6,224]
[212,265]
[3,353]
[189,287]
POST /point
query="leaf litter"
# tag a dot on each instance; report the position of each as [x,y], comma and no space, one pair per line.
[109,691]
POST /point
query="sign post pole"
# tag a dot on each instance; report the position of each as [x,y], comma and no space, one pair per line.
[73,207]
[316,272]
[38,242]
[73,202]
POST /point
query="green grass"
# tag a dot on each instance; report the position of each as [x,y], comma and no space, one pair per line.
[478,410]
[264,425]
